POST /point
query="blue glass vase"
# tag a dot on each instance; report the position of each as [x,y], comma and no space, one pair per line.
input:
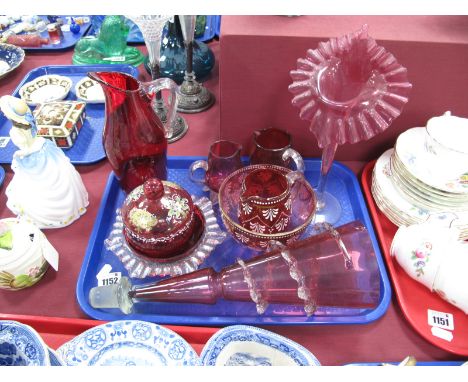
[173,58]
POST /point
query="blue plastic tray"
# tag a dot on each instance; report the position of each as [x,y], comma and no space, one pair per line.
[69,39]
[2,175]
[88,147]
[342,183]
[210,29]
[218,26]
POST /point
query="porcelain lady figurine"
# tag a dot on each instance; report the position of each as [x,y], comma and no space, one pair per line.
[45,189]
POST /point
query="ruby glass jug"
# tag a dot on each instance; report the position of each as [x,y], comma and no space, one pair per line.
[134,138]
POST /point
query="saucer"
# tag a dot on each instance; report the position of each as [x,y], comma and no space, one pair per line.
[398,207]
[423,197]
[89,91]
[128,343]
[242,345]
[410,149]
[45,88]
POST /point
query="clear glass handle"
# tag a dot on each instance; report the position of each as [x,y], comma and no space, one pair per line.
[199,164]
[296,157]
[293,177]
[158,85]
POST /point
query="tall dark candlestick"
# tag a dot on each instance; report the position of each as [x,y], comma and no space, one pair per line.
[192,96]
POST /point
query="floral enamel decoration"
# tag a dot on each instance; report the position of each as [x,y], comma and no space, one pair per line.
[178,207]
[257,227]
[246,208]
[270,214]
[282,224]
[421,257]
[142,219]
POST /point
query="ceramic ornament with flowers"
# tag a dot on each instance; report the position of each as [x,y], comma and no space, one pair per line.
[350,89]
[432,254]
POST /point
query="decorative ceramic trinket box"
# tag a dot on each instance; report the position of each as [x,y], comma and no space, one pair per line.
[60,121]
[25,254]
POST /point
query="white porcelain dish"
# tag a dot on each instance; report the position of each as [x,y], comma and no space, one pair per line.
[128,343]
[45,88]
[242,345]
[399,207]
[89,91]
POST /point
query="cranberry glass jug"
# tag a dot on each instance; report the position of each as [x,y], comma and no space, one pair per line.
[134,137]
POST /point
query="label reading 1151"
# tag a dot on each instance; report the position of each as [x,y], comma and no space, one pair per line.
[440,319]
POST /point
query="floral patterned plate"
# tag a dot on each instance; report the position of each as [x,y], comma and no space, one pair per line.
[397,206]
[242,345]
[128,343]
[21,345]
[11,57]
[410,148]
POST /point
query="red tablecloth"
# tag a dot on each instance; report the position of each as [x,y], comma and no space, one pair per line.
[389,339]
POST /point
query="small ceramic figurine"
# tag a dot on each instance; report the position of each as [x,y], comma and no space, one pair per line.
[25,254]
[45,189]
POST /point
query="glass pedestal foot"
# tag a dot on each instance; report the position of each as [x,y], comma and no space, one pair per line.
[328,209]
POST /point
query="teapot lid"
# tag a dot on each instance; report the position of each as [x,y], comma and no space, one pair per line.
[157,208]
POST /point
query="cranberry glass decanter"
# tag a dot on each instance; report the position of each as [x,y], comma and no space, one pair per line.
[335,268]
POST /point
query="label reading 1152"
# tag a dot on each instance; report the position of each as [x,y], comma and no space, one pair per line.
[110,281]
[107,277]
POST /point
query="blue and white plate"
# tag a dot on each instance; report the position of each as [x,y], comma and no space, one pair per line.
[128,343]
[55,359]
[11,56]
[21,345]
[241,345]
